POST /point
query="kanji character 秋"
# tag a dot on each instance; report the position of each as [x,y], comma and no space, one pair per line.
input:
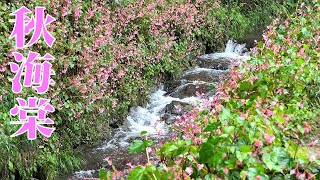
[23,26]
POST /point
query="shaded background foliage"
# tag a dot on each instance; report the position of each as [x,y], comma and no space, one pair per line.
[108,56]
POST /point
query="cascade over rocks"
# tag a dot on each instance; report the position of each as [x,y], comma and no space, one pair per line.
[175,98]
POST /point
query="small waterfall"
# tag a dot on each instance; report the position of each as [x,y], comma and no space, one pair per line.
[232,51]
[233,47]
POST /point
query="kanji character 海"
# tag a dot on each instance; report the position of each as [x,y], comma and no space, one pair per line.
[34,73]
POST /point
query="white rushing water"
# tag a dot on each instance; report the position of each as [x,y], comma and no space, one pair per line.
[232,51]
[233,47]
[145,119]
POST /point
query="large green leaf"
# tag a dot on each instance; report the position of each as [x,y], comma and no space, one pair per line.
[137,174]
[137,146]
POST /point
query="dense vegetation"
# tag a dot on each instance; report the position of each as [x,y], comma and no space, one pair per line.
[108,54]
[257,125]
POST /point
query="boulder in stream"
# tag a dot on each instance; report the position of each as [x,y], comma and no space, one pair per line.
[213,62]
[168,118]
[174,109]
[205,75]
[190,89]
[177,108]
[169,86]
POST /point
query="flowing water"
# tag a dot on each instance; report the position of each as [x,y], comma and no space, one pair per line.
[160,111]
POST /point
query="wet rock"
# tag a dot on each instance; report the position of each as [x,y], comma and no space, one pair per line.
[214,62]
[189,90]
[169,86]
[168,118]
[174,109]
[131,139]
[210,94]
[177,108]
[205,75]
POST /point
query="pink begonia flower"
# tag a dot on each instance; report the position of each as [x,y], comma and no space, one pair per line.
[101,110]
[200,166]
[226,170]
[108,160]
[312,158]
[269,112]
[189,170]
[258,144]
[165,168]
[269,138]
[224,155]
[159,133]
[243,115]
[300,176]
[307,128]
[83,90]
[313,143]
[130,165]
[293,171]
[286,117]
[120,74]
[114,104]
[300,104]
[258,177]
[77,12]
[178,107]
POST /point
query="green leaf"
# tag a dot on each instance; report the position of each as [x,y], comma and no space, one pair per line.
[169,147]
[137,146]
[151,168]
[225,114]
[253,173]
[245,86]
[147,143]
[305,32]
[11,166]
[103,174]
[137,174]
[241,156]
[206,151]
[211,127]
[300,128]
[210,151]
[229,129]
[271,162]
[143,133]
[245,149]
